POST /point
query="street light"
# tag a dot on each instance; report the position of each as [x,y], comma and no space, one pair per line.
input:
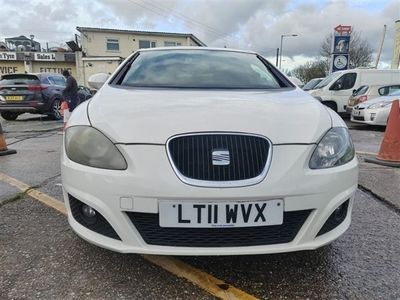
[32,37]
[280,54]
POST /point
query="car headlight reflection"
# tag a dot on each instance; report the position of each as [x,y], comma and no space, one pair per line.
[380,104]
[87,146]
[335,149]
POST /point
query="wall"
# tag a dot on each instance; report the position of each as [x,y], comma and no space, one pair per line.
[91,67]
[94,43]
[54,67]
[10,67]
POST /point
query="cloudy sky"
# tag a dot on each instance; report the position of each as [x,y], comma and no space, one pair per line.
[244,24]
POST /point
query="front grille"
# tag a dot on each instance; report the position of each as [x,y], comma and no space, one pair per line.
[153,234]
[101,225]
[192,156]
[358,118]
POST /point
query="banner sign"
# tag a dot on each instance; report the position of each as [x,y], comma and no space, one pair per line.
[340,48]
[340,62]
[341,44]
[40,56]
[8,56]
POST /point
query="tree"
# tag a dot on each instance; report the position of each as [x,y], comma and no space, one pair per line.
[310,70]
[360,51]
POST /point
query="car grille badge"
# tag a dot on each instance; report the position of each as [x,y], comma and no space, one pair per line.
[220,157]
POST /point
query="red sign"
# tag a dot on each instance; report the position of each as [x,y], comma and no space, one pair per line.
[342,28]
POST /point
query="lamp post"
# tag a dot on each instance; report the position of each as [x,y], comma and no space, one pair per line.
[280,55]
[32,45]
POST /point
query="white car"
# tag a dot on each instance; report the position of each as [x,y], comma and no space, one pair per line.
[201,151]
[375,111]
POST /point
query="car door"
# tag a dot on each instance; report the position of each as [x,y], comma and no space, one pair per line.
[342,89]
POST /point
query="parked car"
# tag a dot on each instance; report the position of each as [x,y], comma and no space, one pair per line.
[39,93]
[296,81]
[334,91]
[312,84]
[194,151]
[368,92]
[375,111]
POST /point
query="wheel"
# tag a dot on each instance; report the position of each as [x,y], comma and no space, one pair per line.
[332,105]
[55,113]
[9,115]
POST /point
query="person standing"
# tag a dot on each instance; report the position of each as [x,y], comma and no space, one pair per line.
[70,93]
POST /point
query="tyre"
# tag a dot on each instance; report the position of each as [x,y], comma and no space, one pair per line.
[332,105]
[9,115]
[55,112]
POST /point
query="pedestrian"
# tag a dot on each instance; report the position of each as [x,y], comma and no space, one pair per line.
[70,92]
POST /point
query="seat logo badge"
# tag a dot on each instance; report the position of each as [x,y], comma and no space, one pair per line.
[220,158]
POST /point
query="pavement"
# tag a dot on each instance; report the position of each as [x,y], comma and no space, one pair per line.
[42,258]
[383,182]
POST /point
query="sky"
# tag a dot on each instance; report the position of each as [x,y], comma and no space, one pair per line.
[241,24]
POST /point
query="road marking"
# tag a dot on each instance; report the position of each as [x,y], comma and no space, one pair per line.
[366,153]
[38,195]
[209,283]
[205,281]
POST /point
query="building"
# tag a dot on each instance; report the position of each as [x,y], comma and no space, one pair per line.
[396,48]
[100,51]
[22,43]
[37,62]
[104,49]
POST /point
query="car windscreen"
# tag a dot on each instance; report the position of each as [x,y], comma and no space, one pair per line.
[311,84]
[395,93]
[200,69]
[361,90]
[327,80]
[57,80]
[19,79]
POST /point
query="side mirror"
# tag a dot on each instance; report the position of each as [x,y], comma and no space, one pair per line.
[96,81]
[354,92]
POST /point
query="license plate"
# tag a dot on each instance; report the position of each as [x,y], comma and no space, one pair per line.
[221,214]
[356,112]
[14,98]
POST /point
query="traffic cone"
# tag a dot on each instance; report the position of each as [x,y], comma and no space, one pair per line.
[65,113]
[3,145]
[389,153]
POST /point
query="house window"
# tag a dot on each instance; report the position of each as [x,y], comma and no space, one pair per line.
[112,45]
[171,44]
[147,44]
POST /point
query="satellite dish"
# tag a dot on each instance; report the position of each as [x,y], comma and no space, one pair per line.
[96,81]
[74,47]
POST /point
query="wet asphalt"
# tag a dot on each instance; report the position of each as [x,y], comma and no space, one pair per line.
[42,258]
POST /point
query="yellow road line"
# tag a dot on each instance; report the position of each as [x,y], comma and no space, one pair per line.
[205,281]
[42,197]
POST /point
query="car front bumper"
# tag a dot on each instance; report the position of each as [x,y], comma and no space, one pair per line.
[369,116]
[150,178]
[32,106]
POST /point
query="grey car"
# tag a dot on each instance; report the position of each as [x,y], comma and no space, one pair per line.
[39,93]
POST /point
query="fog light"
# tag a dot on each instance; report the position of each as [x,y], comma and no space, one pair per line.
[373,117]
[340,213]
[89,214]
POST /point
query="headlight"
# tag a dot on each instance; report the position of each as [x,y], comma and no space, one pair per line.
[335,149]
[380,104]
[88,146]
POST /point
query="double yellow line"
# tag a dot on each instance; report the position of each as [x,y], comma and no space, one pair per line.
[207,282]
